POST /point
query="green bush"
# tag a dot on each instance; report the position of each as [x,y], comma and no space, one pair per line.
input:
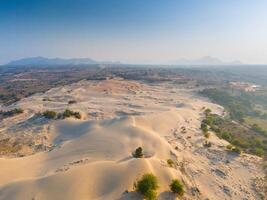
[50,114]
[176,187]
[147,186]
[138,153]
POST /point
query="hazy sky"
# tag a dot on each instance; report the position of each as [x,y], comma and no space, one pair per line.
[134,31]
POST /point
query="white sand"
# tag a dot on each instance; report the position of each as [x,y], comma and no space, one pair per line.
[92,158]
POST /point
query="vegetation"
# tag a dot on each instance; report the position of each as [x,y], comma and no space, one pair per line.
[72,102]
[50,114]
[138,153]
[259,129]
[11,113]
[206,134]
[147,186]
[236,150]
[170,162]
[229,147]
[68,113]
[47,99]
[237,105]
[204,127]
[239,136]
[176,187]
[207,144]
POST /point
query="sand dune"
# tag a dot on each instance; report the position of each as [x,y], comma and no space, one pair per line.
[91,158]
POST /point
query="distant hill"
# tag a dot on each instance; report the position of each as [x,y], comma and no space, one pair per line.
[207,60]
[41,61]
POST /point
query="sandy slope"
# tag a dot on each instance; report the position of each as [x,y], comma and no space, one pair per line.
[92,158]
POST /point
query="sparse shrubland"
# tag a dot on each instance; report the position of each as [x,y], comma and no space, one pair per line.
[239,136]
[67,113]
[11,113]
[147,186]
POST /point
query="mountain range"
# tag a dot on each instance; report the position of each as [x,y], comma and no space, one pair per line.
[206,60]
[41,61]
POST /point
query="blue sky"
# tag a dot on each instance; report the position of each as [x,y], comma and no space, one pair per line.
[134,31]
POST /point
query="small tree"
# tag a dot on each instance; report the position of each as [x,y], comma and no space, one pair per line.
[147,186]
[176,187]
[138,153]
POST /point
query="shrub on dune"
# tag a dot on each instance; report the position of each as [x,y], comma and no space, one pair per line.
[170,162]
[176,187]
[138,153]
[147,186]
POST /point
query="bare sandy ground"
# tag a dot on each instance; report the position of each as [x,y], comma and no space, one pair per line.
[91,158]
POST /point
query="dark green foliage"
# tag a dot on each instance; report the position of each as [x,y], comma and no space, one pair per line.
[236,105]
[138,153]
[147,186]
[176,187]
[50,114]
